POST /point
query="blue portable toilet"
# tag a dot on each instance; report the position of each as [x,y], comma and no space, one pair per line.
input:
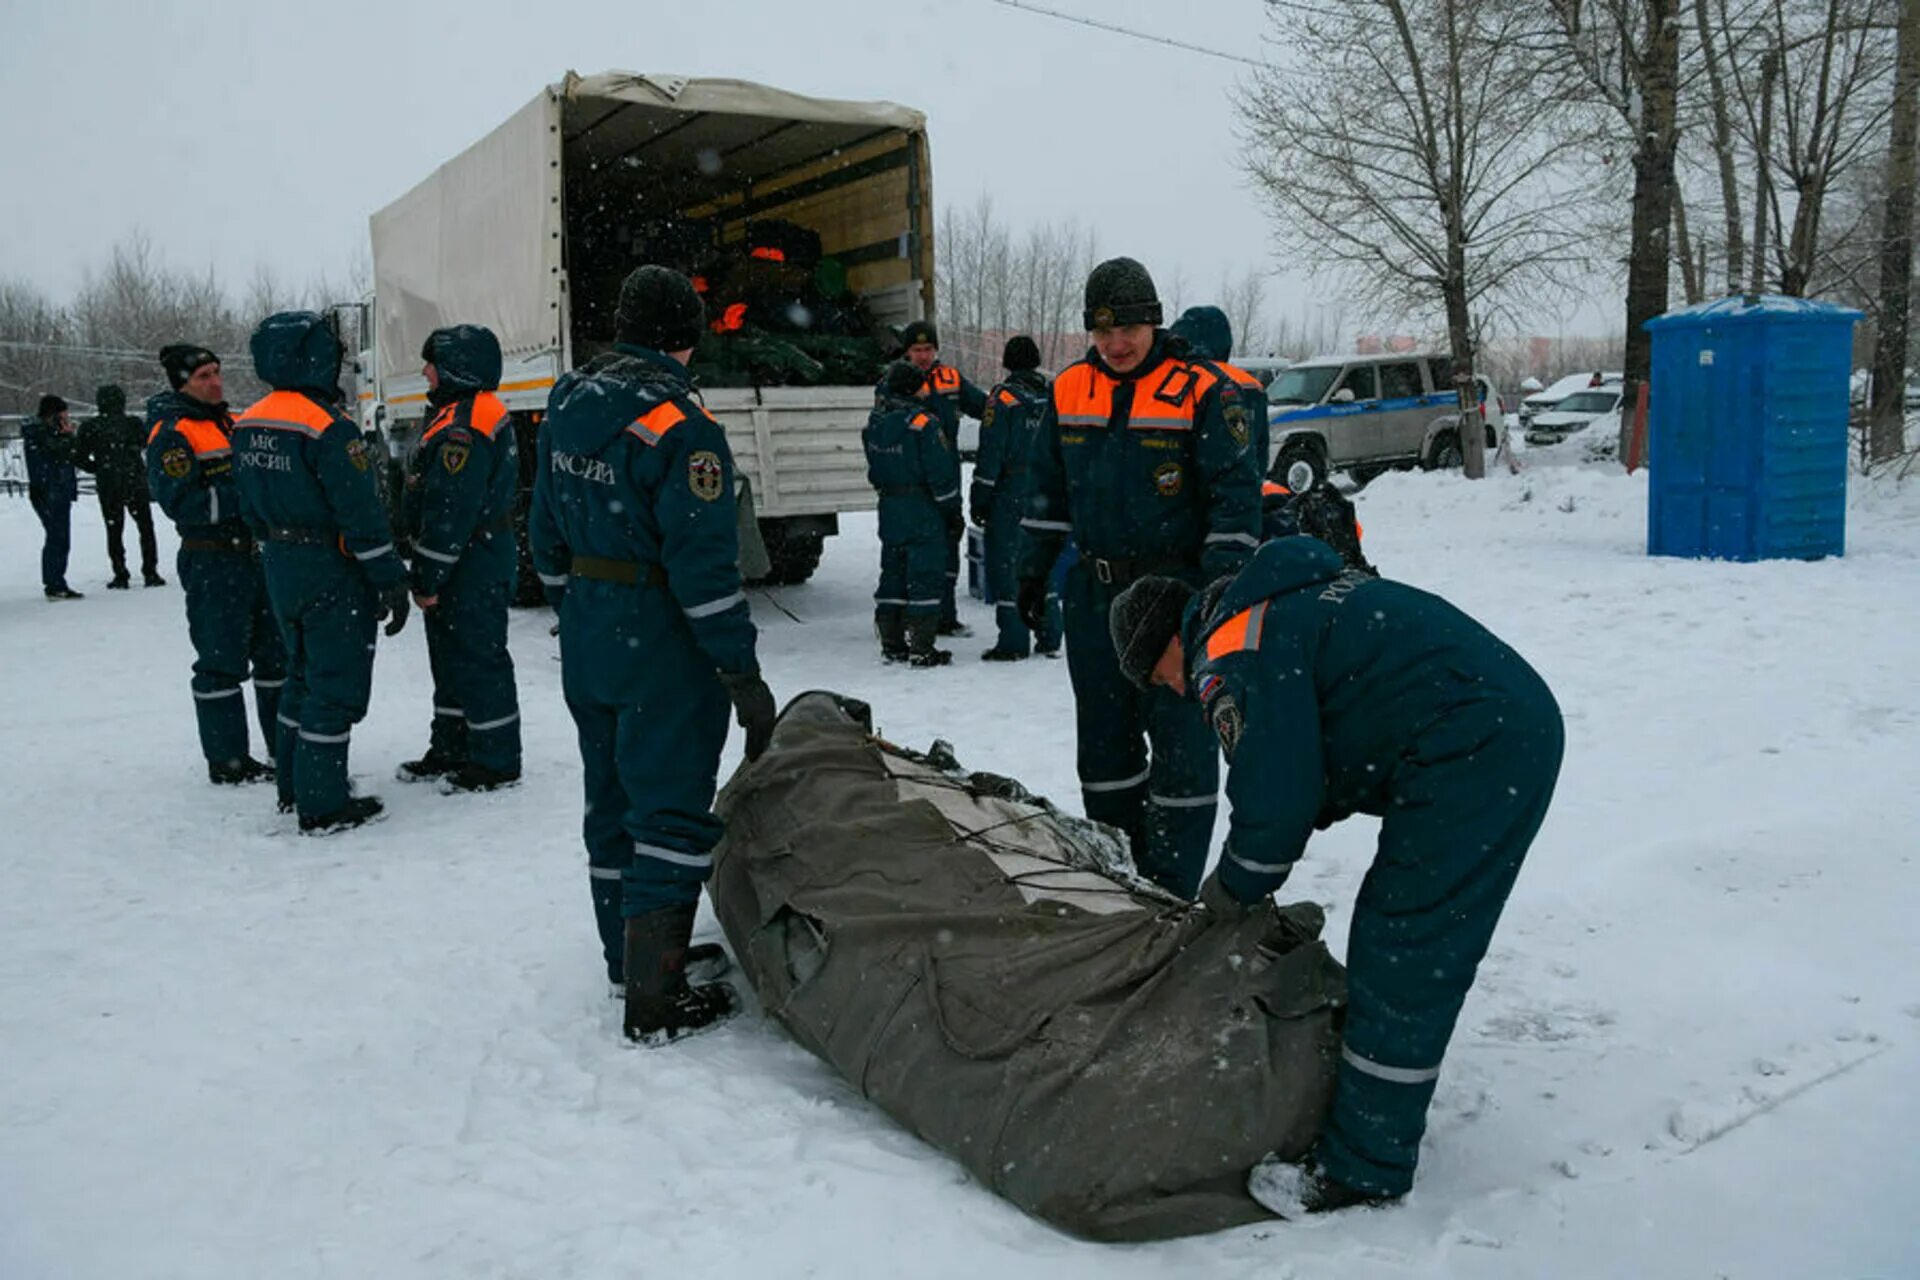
[1748,427]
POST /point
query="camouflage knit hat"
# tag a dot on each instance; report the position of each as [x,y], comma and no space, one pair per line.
[1120,292]
[1144,619]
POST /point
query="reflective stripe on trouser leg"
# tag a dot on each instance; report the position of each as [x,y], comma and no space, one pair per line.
[1110,731]
[669,759]
[1183,795]
[1002,550]
[447,731]
[267,656]
[336,649]
[217,623]
[1451,845]
[609,847]
[910,572]
[475,617]
[950,583]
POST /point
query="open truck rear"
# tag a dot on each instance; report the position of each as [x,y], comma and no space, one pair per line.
[531,230]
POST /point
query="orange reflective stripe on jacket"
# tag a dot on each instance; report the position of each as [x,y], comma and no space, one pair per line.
[1241,631]
[1274,489]
[1239,375]
[944,378]
[921,421]
[654,424]
[207,438]
[287,411]
[1004,396]
[1165,400]
[488,414]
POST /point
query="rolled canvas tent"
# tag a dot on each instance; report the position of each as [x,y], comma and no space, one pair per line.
[992,974]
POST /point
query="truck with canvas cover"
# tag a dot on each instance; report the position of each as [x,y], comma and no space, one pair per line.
[805,223]
[993,974]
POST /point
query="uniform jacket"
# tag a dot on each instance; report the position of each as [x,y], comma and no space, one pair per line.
[304,474]
[632,469]
[190,466]
[463,477]
[49,450]
[1152,465]
[952,395]
[913,468]
[112,446]
[1321,681]
[1007,429]
[1210,337]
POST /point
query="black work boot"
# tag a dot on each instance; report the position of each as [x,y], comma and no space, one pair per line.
[1294,1189]
[920,650]
[119,581]
[476,777]
[428,767]
[661,1006]
[152,578]
[238,773]
[891,627]
[356,812]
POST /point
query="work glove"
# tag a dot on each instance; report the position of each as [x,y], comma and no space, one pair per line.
[979,503]
[395,604]
[956,522]
[1222,904]
[1031,600]
[752,708]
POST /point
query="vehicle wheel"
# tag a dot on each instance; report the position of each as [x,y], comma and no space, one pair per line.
[792,555]
[1299,467]
[1445,454]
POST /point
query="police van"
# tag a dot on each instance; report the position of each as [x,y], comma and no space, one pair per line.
[530,231]
[1366,413]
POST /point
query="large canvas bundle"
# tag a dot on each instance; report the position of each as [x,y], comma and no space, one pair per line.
[990,972]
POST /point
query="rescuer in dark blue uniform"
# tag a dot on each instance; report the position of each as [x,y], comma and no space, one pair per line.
[999,495]
[634,538]
[1209,335]
[229,619]
[1334,692]
[307,491]
[1142,457]
[52,487]
[950,395]
[917,477]
[457,510]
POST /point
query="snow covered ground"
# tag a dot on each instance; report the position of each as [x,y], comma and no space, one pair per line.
[229,1051]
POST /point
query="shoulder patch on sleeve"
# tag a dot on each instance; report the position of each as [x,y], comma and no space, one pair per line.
[705,475]
[357,453]
[176,462]
[1224,714]
[453,456]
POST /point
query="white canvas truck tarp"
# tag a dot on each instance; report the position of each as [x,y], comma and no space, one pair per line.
[492,237]
[991,973]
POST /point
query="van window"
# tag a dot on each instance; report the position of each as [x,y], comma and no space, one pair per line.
[1301,385]
[1398,381]
[1360,381]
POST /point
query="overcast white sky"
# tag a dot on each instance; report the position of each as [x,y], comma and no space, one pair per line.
[238,134]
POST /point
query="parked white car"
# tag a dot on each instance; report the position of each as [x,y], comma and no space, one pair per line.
[1542,401]
[1575,413]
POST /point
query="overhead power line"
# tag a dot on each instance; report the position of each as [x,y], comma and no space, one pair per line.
[1097,25]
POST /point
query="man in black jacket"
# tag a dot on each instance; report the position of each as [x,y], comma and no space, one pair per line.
[47,441]
[111,445]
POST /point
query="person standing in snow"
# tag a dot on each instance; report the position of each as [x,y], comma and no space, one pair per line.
[307,490]
[457,511]
[1209,336]
[634,538]
[916,474]
[1333,692]
[1141,456]
[950,395]
[52,488]
[110,445]
[190,470]
[999,495]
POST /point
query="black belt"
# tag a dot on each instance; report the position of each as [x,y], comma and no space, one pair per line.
[627,573]
[1120,570]
[239,543]
[304,537]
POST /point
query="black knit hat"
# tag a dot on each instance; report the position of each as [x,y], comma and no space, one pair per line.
[918,331]
[1121,292]
[1144,619]
[180,359]
[903,378]
[51,407]
[1022,353]
[660,310]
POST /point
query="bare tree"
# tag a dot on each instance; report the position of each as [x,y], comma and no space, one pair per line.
[1408,148]
[1244,299]
[1886,433]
